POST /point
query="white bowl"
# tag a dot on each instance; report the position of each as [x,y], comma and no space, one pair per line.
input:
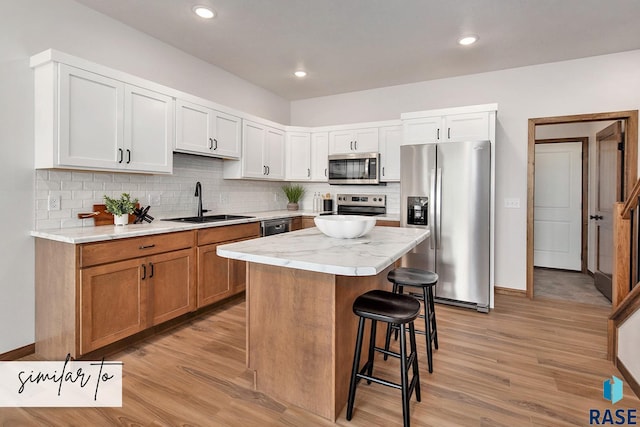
[345,226]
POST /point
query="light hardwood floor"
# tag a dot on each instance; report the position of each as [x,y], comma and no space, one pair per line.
[526,363]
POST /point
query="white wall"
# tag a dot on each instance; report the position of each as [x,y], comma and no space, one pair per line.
[597,84]
[31,26]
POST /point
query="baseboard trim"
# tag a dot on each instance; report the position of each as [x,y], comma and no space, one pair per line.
[628,377]
[508,291]
[18,353]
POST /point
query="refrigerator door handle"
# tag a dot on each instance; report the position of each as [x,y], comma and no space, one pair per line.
[438,207]
[432,209]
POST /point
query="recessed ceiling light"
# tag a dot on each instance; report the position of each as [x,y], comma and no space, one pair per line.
[467,40]
[204,12]
[300,73]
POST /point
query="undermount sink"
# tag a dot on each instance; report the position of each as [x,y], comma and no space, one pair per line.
[208,218]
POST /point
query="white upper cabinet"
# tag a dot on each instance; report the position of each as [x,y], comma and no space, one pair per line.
[298,151]
[320,156]
[263,153]
[274,153]
[90,120]
[86,120]
[353,141]
[148,124]
[390,141]
[467,127]
[307,156]
[453,124]
[202,130]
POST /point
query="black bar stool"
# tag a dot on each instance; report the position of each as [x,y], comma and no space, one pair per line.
[396,309]
[417,278]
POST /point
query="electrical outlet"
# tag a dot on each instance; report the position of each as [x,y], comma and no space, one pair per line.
[53,202]
[512,203]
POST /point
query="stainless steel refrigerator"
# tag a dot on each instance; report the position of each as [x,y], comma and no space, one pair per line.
[447,187]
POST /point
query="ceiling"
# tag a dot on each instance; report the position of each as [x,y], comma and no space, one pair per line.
[350,45]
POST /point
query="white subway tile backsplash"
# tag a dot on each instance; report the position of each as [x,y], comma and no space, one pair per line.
[176,192]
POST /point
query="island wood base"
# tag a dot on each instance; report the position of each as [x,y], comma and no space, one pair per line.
[301,334]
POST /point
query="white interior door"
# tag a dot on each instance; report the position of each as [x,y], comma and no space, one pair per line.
[558,206]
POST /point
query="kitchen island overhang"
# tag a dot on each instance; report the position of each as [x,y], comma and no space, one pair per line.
[300,325]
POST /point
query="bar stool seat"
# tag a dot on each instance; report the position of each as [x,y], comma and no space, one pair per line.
[396,309]
[426,280]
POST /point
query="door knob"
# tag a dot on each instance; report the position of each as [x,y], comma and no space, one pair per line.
[596,217]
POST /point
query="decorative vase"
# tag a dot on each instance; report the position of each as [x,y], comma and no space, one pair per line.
[121,219]
[292,206]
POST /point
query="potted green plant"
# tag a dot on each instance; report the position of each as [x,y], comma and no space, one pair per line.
[294,193]
[120,208]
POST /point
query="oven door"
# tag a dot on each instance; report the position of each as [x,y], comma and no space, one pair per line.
[354,168]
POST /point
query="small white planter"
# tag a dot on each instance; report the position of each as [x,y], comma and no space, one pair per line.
[121,219]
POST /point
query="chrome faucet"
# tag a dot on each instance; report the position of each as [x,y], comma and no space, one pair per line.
[199,196]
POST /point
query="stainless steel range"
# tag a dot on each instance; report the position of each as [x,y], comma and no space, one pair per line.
[361,204]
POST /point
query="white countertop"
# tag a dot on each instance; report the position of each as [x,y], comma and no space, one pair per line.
[311,250]
[78,235]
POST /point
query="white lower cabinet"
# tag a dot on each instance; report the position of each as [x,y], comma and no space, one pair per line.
[205,131]
[101,123]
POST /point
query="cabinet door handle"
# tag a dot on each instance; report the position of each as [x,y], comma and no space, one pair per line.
[448,133]
[308,173]
[121,155]
[147,246]
[210,143]
[355,143]
[351,145]
[151,265]
[438,133]
[264,170]
[215,147]
[268,170]
[325,172]
[128,156]
[144,271]
[383,171]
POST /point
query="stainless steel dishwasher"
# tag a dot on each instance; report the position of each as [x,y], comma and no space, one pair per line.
[275,226]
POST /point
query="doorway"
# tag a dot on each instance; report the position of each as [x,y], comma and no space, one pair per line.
[561,203]
[628,172]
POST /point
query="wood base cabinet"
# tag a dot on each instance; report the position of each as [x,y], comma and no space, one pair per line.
[94,294]
[220,278]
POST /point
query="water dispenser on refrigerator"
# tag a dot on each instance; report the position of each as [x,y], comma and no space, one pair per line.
[417,210]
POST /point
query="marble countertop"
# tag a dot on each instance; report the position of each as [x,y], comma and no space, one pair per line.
[311,250]
[78,235]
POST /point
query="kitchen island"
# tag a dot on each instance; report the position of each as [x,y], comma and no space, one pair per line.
[300,326]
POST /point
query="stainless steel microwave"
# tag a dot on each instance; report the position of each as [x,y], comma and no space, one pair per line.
[354,168]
